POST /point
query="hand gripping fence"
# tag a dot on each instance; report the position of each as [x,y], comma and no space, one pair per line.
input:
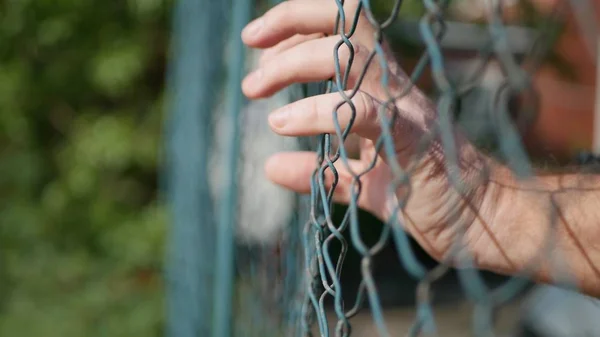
[324,269]
[323,237]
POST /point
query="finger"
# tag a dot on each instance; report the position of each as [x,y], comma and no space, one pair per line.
[299,17]
[316,115]
[294,170]
[284,45]
[307,62]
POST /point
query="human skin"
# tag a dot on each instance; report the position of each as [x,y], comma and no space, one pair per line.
[505,221]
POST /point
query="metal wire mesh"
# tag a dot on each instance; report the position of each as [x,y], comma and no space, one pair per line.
[324,268]
[264,285]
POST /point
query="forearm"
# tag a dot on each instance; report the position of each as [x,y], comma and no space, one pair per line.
[550,223]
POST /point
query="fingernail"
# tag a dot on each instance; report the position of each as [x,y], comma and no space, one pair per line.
[279,118]
[253,27]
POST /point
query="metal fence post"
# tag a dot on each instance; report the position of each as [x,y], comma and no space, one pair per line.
[224,278]
[193,83]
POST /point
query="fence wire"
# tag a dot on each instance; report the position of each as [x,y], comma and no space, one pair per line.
[323,267]
[294,284]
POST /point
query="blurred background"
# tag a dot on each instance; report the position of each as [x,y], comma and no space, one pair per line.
[81,226]
[82,111]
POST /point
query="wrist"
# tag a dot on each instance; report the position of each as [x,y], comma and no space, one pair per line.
[509,236]
[541,230]
[460,202]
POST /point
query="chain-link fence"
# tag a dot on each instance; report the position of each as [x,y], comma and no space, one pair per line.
[285,272]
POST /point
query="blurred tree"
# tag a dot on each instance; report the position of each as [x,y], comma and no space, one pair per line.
[81,230]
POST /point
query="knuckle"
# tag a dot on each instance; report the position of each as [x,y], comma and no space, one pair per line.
[343,54]
[361,55]
[344,179]
[313,110]
[367,106]
[346,50]
[361,51]
[355,52]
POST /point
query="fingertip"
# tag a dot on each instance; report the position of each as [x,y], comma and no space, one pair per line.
[251,31]
[246,89]
[270,164]
[251,84]
[277,166]
[291,170]
[274,167]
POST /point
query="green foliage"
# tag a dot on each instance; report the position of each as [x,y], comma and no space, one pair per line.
[81,228]
[412,9]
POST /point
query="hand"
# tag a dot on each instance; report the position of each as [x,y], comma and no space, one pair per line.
[297,51]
